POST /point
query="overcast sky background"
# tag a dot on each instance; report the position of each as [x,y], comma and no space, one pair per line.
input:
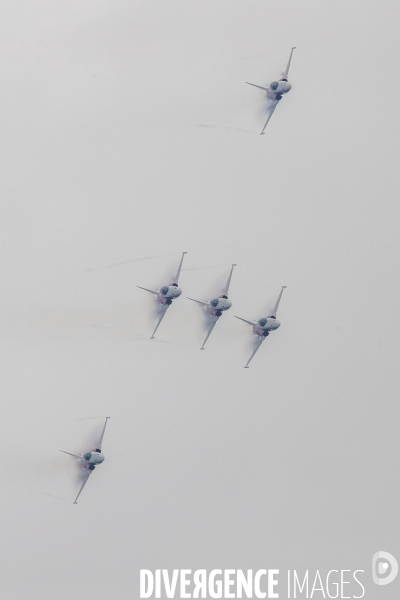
[127,132]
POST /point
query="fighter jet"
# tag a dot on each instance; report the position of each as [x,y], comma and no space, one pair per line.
[166,294]
[275,91]
[217,306]
[89,460]
[263,327]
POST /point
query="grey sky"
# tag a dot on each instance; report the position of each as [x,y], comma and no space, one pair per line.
[128,132]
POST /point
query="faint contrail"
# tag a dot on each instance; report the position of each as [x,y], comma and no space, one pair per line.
[87,418]
[206,126]
[51,495]
[249,57]
[126,262]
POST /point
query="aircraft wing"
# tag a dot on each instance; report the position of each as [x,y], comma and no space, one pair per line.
[176,280]
[228,283]
[271,110]
[102,433]
[209,332]
[160,319]
[275,310]
[286,73]
[256,347]
[84,482]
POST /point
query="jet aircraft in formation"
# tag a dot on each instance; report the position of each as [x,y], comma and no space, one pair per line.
[263,327]
[166,294]
[216,307]
[89,460]
[275,91]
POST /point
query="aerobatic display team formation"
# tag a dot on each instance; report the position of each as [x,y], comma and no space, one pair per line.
[214,308]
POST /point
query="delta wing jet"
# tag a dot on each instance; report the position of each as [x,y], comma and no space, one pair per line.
[275,91]
[217,306]
[263,327]
[166,294]
[89,460]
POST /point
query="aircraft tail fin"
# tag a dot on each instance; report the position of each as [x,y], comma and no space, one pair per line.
[147,289]
[257,86]
[246,321]
[70,453]
[198,301]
